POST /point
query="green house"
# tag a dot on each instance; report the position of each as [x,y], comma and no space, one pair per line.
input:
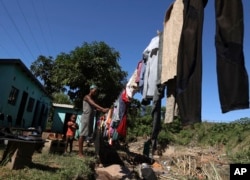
[61,115]
[23,99]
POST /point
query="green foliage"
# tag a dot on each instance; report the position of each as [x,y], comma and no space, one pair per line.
[94,63]
[61,98]
[234,136]
[42,68]
[73,73]
[242,156]
[167,132]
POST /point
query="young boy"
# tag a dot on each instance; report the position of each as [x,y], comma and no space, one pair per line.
[72,126]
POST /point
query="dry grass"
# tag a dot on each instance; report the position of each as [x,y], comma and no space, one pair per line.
[192,163]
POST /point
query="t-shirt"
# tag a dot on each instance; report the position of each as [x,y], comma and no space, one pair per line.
[71,129]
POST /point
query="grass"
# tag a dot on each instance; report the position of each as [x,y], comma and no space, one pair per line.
[53,167]
[234,137]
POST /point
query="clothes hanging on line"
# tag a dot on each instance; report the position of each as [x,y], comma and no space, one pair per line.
[132,86]
[150,76]
[156,101]
[231,72]
[114,125]
[172,27]
[189,63]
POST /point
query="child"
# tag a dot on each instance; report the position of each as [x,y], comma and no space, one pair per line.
[72,126]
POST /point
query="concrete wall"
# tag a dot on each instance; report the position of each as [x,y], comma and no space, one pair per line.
[15,74]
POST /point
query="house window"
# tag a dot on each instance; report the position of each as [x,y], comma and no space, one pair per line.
[13,96]
[30,104]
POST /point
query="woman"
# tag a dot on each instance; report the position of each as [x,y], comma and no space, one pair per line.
[87,119]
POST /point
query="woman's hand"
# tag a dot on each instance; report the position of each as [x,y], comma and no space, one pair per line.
[105,110]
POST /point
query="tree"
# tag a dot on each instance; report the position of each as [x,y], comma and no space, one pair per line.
[73,73]
[61,98]
[94,63]
[42,69]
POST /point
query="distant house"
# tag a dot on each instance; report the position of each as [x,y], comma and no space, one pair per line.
[61,115]
[23,99]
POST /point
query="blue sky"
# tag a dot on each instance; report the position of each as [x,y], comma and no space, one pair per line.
[29,28]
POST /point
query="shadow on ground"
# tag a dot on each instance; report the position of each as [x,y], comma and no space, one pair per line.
[43,167]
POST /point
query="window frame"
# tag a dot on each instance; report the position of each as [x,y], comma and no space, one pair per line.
[13,95]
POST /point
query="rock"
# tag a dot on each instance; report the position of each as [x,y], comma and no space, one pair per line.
[114,171]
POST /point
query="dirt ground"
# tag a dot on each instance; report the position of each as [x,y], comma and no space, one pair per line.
[173,162]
